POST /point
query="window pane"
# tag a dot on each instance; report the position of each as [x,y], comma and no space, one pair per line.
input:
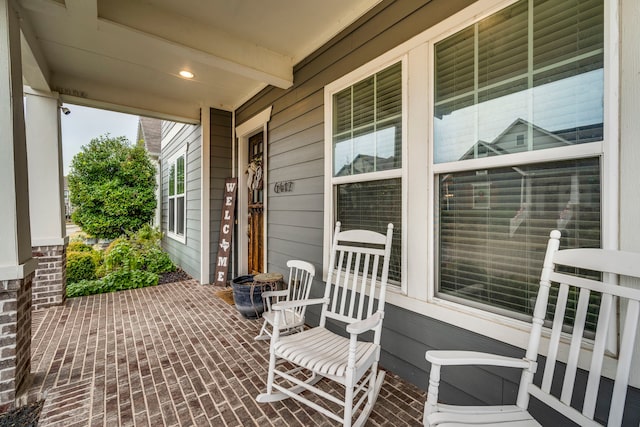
[494,225]
[180,215]
[372,205]
[172,218]
[499,81]
[367,124]
[180,175]
[172,179]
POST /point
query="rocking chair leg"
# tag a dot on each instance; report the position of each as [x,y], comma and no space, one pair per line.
[269,396]
[374,390]
[270,376]
[264,334]
[348,405]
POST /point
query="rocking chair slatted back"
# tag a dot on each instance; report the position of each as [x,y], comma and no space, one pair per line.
[355,286]
[301,275]
[587,287]
[580,287]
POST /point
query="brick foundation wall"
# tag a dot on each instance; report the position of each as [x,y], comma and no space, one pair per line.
[50,282]
[15,339]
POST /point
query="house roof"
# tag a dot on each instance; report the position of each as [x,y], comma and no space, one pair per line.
[150,131]
[126,54]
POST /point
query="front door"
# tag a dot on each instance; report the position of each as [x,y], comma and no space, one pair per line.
[255,261]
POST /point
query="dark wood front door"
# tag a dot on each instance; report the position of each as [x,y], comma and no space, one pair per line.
[256,204]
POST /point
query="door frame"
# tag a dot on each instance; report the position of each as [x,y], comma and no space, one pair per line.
[254,125]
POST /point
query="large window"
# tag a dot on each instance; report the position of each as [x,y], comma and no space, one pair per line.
[517,152]
[176,197]
[366,156]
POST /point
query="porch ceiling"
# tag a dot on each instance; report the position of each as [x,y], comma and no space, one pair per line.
[126,54]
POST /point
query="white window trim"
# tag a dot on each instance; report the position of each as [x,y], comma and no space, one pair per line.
[418,172]
[182,238]
[330,181]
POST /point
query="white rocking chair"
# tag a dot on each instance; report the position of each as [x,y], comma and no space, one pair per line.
[301,274]
[354,295]
[611,264]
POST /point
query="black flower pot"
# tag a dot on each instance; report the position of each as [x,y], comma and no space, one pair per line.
[247,297]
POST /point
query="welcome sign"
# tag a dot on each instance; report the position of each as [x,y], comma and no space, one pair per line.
[226,230]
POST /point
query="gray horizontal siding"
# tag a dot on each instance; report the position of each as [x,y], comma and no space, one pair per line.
[187,255]
[295,220]
[220,166]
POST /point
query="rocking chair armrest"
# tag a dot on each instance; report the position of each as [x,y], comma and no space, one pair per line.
[269,294]
[286,305]
[458,358]
[365,324]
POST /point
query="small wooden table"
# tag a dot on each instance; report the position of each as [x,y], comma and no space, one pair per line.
[273,280]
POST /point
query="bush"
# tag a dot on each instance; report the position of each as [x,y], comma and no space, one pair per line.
[157,261]
[80,266]
[116,281]
[121,254]
[138,251]
[112,187]
[77,246]
[129,262]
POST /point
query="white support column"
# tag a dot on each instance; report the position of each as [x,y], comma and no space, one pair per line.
[15,241]
[44,151]
[46,200]
[16,263]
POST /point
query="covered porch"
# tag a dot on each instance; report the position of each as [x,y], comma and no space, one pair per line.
[173,354]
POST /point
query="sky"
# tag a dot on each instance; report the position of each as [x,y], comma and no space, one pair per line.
[84,124]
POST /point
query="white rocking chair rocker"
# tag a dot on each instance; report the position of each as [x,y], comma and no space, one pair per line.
[611,264]
[354,295]
[301,274]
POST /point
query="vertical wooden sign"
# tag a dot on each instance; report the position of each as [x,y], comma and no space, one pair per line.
[226,231]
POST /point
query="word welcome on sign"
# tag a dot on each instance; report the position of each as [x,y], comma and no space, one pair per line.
[226,230]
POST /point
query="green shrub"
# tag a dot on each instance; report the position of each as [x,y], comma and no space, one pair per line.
[115,281]
[80,266]
[78,246]
[138,251]
[112,187]
[128,262]
[155,260]
[122,254]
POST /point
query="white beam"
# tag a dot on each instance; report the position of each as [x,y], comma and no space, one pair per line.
[231,55]
[126,100]
[34,65]
[130,23]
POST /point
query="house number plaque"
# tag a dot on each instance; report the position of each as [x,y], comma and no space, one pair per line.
[226,230]
[283,187]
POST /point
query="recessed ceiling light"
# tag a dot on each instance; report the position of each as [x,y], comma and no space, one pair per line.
[186,74]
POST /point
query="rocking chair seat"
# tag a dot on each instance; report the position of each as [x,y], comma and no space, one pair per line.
[324,352]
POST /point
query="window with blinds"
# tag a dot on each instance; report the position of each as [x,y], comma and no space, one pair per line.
[493,241]
[367,142]
[372,205]
[528,78]
[536,65]
[367,124]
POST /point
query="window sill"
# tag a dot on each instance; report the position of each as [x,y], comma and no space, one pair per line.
[177,237]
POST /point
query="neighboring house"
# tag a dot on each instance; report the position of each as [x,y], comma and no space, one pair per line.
[68,208]
[475,140]
[150,132]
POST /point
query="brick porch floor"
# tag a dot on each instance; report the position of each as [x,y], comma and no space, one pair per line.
[173,354]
